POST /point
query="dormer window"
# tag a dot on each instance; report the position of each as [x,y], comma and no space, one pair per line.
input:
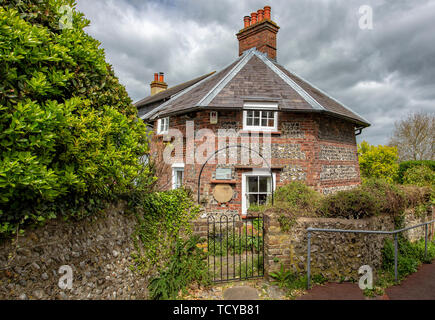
[260,116]
[163,125]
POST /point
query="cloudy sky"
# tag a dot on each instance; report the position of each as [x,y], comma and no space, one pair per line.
[382,74]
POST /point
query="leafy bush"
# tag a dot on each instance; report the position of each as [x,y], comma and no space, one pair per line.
[378,161]
[297,197]
[69,135]
[419,176]
[163,217]
[405,165]
[186,266]
[373,197]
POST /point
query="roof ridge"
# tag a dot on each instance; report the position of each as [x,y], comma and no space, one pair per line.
[204,102]
[322,92]
[305,95]
[326,94]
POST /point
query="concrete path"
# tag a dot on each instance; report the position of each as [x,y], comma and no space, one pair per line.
[417,286]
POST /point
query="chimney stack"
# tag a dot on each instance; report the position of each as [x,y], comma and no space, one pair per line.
[158,84]
[259,31]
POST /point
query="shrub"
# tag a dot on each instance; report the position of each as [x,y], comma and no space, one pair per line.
[373,197]
[186,266]
[405,165]
[419,176]
[378,161]
[69,135]
[357,203]
[297,197]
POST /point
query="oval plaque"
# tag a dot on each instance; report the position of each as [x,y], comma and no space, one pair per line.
[223,193]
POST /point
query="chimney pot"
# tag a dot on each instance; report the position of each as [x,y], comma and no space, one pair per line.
[247,21]
[161,77]
[260,15]
[261,33]
[267,10]
[156,77]
[253,18]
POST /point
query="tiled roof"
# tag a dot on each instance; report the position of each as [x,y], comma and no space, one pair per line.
[253,77]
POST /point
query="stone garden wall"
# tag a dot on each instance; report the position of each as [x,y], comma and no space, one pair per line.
[337,256]
[98,251]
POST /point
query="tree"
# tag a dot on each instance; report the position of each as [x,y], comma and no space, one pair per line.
[378,161]
[69,134]
[414,137]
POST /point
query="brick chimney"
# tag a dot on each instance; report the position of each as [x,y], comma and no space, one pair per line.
[260,32]
[158,84]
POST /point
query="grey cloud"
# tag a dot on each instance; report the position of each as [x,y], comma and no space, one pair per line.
[382,73]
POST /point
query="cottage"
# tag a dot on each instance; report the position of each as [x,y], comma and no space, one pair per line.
[235,135]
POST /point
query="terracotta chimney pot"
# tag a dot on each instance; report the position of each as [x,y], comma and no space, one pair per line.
[260,15]
[161,77]
[267,12]
[253,18]
[156,77]
[247,21]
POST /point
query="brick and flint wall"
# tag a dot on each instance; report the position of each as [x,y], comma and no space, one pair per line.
[317,149]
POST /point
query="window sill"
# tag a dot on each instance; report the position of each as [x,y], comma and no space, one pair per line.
[273,132]
[224,181]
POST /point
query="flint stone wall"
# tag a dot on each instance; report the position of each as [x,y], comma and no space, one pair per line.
[98,251]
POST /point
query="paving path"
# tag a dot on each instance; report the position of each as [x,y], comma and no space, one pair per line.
[417,286]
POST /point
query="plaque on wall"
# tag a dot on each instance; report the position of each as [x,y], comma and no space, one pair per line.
[223,193]
[223,174]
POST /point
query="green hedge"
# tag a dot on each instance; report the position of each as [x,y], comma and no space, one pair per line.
[403,166]
[69,134]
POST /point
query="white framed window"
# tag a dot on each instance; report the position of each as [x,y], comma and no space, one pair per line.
[177,175]
[257,187]
[163,125]
[260,116]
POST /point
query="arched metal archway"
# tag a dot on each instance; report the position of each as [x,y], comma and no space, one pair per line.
[227,147]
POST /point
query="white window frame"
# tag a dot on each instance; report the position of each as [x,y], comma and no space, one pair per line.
[177,167]
[165,125]
[255,172]
[260,107]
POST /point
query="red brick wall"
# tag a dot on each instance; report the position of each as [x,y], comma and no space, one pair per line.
[316,149]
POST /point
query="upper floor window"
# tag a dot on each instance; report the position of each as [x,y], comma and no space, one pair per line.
[260,116]
[163,125]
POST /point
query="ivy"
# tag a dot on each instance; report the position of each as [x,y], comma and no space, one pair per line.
[163,218]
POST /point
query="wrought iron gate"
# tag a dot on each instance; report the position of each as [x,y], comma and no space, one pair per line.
[235,247]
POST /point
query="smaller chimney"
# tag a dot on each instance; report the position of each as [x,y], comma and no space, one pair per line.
[158,84]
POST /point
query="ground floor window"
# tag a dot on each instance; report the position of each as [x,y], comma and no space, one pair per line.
[177,176]
[256,188]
